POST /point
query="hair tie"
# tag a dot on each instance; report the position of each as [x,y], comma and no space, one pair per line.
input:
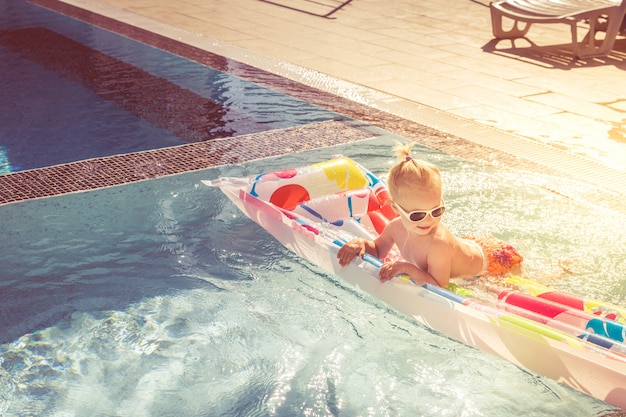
[408,158]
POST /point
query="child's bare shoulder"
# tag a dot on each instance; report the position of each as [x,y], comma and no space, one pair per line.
[394,226]
[444,240]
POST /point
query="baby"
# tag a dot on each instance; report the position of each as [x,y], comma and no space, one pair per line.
[430,252]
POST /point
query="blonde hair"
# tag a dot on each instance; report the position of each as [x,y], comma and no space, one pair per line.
[411,172]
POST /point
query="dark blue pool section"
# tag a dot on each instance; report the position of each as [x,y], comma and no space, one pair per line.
[72,91]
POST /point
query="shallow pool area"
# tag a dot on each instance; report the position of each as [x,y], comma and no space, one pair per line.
[160,298]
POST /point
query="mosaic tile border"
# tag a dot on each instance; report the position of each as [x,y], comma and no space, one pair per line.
[122,169]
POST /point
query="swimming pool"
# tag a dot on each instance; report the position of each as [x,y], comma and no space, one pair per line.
[72,91]
[160,298]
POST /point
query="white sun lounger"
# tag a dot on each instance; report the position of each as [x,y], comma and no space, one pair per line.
[600,16]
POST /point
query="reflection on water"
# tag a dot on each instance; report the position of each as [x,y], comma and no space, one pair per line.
[5,164]
[73,91]
[164,104]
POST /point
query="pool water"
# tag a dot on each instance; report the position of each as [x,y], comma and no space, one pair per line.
[72,91]
[160,298]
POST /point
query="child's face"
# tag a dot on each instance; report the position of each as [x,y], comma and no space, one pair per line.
[419,199]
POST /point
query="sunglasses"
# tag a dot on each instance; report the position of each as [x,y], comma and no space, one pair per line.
[419,215]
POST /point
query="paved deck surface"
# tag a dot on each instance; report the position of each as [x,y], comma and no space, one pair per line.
[410,66]
[433,64]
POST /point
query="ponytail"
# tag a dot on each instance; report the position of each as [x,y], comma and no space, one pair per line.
[410,171]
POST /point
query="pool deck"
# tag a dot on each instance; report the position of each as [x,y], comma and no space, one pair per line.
[416,61]
[431,64]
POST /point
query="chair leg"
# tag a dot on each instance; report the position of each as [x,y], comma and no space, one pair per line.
[498,29]
[587,47]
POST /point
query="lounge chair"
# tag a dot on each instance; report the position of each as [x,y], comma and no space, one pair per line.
[599,15]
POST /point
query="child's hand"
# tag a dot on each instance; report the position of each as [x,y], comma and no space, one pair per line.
[391,269]
[350,250]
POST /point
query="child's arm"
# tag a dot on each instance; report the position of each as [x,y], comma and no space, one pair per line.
[438,267]
[391,269]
